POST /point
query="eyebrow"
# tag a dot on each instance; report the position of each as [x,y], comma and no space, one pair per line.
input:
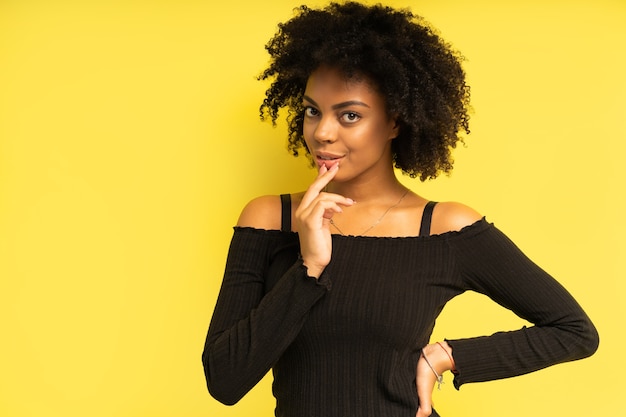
[338,105]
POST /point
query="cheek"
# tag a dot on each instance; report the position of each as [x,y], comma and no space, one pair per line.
[308,127]
[374,137]
[307,134]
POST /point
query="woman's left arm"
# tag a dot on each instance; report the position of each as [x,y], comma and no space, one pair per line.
[490,263]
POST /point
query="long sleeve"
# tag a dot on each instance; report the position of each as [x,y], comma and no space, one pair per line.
[491,264]
[251,327]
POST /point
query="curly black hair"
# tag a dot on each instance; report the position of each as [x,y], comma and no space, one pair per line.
[418,74]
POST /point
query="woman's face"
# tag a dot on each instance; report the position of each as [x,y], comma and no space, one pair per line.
[346,123]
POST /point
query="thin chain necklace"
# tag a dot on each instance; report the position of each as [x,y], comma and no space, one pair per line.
[377,221]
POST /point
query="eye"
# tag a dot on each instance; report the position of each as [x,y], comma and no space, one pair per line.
[311,111]
[350,117]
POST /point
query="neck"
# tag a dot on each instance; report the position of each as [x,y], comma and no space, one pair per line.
[370,191]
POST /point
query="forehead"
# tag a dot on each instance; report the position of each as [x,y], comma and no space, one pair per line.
[326,81]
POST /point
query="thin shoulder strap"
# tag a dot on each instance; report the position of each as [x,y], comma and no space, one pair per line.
[427,216]
[285,218]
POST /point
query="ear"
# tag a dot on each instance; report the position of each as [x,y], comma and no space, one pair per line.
[395,130]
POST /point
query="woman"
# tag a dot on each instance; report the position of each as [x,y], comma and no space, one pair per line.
[336,289]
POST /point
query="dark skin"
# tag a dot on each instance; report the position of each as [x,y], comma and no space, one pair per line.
[349,134]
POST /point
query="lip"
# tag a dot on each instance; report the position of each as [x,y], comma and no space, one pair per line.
[327,158]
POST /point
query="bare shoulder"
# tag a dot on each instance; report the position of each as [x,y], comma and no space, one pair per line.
[452,216]
[261,213]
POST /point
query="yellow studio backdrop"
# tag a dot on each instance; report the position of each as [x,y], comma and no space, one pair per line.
[130,140]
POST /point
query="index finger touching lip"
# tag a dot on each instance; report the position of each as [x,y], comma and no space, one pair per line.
[328,173]
[333,164]
[324,177]
[324,168]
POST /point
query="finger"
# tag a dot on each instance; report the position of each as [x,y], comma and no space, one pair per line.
[321,210]
[324,176]
[323,207]
[425,385]
[317,187]
[423,413]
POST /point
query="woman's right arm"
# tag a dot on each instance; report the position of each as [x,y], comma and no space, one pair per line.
[249,329]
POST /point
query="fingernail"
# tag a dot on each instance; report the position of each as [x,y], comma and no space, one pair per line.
[351,201]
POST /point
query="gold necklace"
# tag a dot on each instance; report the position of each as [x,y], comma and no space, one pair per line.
[377,221]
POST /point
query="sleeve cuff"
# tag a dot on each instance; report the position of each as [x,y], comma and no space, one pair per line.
[324,279]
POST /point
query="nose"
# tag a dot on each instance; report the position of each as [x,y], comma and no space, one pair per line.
[326,130]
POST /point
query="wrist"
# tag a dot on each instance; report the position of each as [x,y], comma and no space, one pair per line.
[440,356]
[312,270]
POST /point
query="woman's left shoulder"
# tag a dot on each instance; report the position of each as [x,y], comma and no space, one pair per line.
[451,216]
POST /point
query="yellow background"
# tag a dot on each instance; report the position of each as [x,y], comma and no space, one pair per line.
[130,140]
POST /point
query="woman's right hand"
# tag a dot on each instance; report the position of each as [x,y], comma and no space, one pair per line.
[312,218]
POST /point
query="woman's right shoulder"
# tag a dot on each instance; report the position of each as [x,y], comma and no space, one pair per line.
[262,213]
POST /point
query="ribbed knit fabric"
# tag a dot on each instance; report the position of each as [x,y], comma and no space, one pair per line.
[348,344]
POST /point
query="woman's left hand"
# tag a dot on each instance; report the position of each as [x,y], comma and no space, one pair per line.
[425,376]
[425,379]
